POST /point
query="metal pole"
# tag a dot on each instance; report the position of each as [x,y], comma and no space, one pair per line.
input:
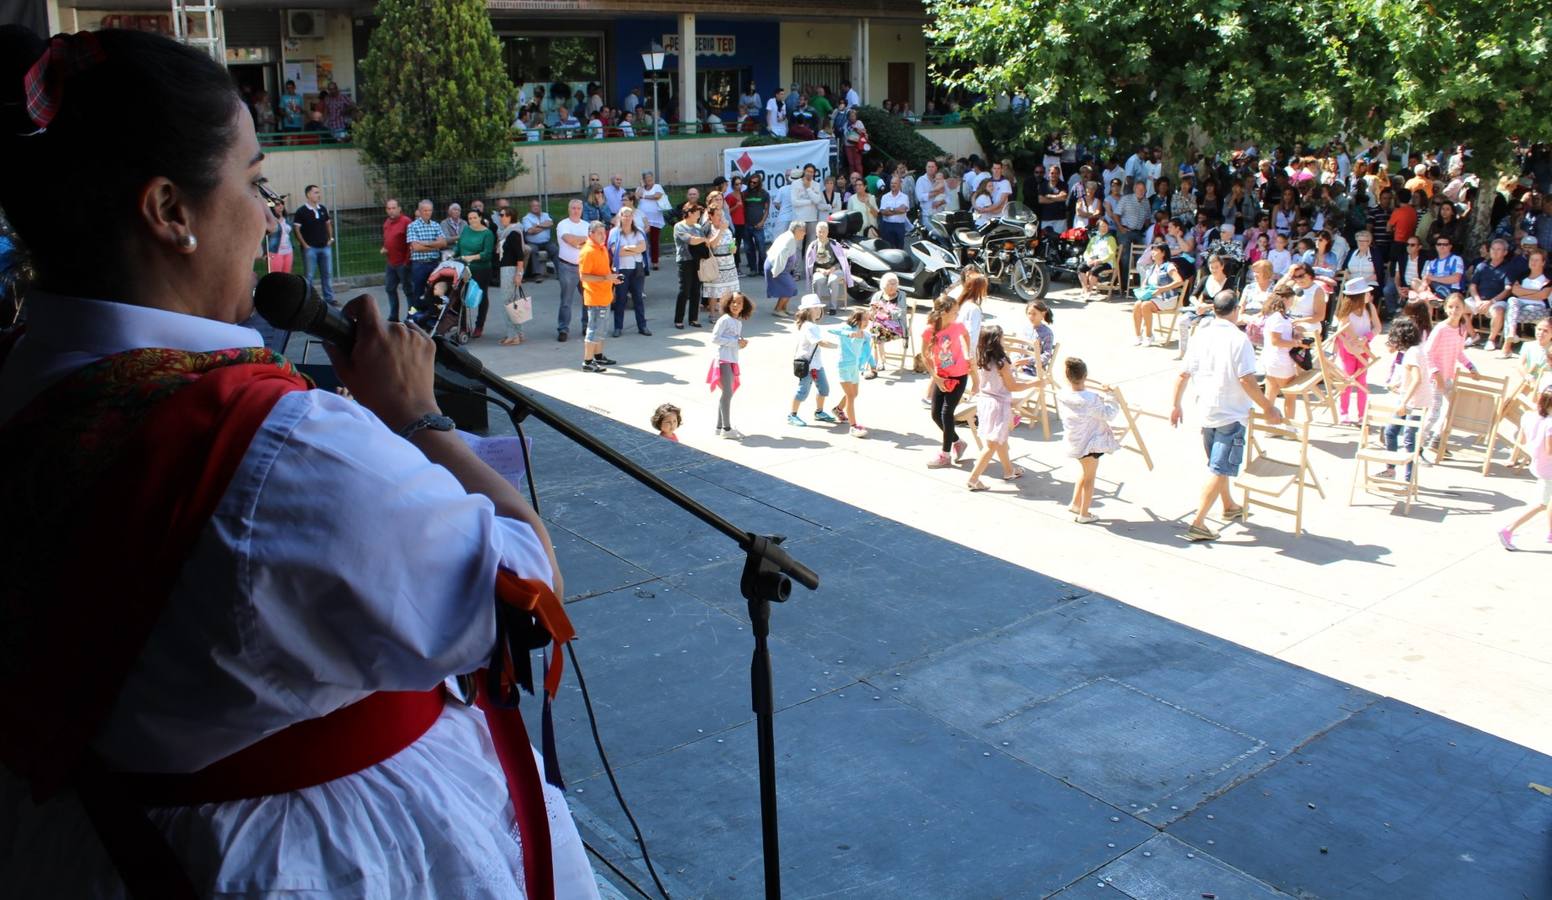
[657,173]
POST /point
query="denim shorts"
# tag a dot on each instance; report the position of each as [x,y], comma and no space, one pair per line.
[815,377]
[593,323]
[1225,446]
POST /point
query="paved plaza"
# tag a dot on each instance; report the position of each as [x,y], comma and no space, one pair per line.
[987,699]
[1426,607]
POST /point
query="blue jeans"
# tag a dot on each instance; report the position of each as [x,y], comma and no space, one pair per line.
[395,280]
[893,234]
[570,289]
[420,273]
[320,261]
[1401,432]
[754,248]
[628,293]
[1225,446]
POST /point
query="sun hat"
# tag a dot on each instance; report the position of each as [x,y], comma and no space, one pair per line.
[1355,286]
[810,301]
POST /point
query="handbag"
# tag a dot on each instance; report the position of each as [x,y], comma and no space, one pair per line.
[1145,292]
[800,366]
[707,270]
[520,308]
[1301,357]
[473,294]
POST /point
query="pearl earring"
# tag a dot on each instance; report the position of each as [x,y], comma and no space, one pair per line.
[188,242]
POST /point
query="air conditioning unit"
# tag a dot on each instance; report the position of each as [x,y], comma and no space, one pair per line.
[305,23]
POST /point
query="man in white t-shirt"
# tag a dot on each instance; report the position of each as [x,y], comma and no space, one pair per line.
[570,235]
[1002,191]
[931,190]
[1221,367]
[1116,172]
[893,208]
[776,113]
[853,100]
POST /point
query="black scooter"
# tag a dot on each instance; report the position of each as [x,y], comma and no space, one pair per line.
[924,270]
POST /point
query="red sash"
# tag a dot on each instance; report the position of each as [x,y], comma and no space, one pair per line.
[138,450]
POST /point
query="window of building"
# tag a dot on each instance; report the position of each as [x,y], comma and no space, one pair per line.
[718,89]
[546,58]
[828,72]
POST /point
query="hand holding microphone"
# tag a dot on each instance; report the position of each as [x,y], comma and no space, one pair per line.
[387,366]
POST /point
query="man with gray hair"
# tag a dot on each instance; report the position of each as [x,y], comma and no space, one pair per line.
[426,242]
[614,194]
[1221,367]
[570,236]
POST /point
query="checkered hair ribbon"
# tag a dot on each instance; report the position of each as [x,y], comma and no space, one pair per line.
[67,54]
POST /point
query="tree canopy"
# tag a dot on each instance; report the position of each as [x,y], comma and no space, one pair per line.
[437,102]
[1445,71]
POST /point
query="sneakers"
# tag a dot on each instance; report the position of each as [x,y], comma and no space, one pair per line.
[940,461]
[1085,519]
[593,366]
[1506,537]
[1147,340]
[603,360]
[959,450]
[795,419]
[1138,341]
[822,416]
[857,431]
[840,414]
[561,337]
[1198,534]
[733,434]
[1388,473]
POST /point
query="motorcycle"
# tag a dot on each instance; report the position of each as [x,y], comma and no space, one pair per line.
[1063,253]
[1007,249]
[924,270]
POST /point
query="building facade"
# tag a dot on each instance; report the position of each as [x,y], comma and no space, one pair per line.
[877,45]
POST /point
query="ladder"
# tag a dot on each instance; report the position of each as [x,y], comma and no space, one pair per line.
[186,18]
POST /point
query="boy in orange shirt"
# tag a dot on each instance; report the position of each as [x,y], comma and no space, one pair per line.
[598,281]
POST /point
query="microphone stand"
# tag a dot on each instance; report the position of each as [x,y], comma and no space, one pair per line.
[767,577]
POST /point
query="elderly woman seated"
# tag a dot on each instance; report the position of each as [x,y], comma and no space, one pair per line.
[829,275]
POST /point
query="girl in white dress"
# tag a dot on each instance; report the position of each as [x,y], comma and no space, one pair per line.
[1086,416]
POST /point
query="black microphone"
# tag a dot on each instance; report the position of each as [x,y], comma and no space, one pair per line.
[289,303]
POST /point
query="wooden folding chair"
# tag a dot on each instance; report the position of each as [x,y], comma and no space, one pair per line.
[1337,380]
[1476,402]
[1313,388]
[1375,418]
[1127,430]
[1133,274]
[1112,284]
[1508,430]
[1036,402]
[1268,477]
[1164,321]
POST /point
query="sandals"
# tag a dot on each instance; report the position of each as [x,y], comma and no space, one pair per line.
[1017,474]
[511,341]
[976,487]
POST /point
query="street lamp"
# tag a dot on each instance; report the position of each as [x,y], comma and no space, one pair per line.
[652,61]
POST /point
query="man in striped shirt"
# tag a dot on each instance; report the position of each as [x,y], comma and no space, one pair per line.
[1133,212]
[426,242]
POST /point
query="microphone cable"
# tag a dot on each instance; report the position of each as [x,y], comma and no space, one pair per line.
[587,700]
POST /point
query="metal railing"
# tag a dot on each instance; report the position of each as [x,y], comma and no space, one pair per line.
[543,134]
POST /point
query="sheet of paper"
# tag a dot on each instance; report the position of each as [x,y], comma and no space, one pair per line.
[502,453]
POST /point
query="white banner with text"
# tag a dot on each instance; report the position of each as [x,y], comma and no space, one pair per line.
[776,160]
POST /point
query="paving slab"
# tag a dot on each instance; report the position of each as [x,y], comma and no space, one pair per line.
[1165,868]
[1393,802]
[957,819]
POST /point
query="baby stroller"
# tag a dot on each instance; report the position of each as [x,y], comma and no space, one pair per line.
[442,309]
